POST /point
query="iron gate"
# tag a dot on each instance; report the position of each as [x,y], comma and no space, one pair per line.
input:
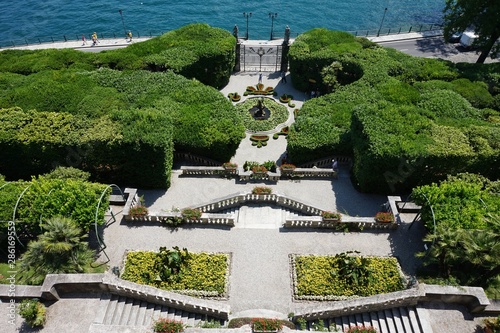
[258,58]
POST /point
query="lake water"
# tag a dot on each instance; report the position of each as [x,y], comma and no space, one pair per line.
[33,19]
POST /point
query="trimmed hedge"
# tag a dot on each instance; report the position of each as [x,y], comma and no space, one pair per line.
[194,51]
[130,147]
[407,121]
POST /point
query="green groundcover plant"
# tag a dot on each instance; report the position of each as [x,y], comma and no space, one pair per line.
[200,274]
[344,276]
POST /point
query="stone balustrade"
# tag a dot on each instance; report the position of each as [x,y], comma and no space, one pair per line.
[245,176]
[472,297]
[360,223]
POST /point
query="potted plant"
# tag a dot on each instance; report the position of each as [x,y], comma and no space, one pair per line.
[138,211]
[230,166]
[262,190]
[164,325]
[191,214]
[287,167]
[259,169]
[331,216]
[33,312]
[266,325]
[492,325]
[384,217]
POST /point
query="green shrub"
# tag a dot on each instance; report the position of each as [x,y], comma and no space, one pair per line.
[33,312]
[165,325]
[202,274]
[475,92]
[343,276]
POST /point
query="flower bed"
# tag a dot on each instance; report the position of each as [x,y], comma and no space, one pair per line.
[234,97]
[191,214]
[384,217]
[279,115]
[259,140]
[266,325]
[331,216]
[323,277]
[259,90]
[262,190]
[204,275]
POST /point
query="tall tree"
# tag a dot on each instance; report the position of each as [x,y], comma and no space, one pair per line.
[482,16]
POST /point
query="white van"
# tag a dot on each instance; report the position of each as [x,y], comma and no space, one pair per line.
[467,39]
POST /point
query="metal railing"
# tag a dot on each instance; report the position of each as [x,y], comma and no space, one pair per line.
[397,31]
[74,37]
[254,35]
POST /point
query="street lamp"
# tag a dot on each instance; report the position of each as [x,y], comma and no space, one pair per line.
[260,53]
[382,22]
[272,16]
[247,15]
[123,22]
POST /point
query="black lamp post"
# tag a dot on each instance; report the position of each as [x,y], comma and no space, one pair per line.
[247,16]
[123,22]
[260,53]
[272,16]
[382,22]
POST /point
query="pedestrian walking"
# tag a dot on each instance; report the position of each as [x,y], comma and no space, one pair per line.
[129,35]
[335,166]
[260,77]
[283,77]
[94,39]
[84,40]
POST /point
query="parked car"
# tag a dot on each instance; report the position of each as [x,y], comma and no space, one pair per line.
[455,37]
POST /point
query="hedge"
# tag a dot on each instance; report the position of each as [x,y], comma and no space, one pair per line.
[459,202]
[194,51]
[130,147]
[406,120]
[45,197]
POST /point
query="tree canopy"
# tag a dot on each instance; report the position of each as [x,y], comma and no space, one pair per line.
[482,16]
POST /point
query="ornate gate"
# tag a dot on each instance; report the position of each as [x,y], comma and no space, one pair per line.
[260,58]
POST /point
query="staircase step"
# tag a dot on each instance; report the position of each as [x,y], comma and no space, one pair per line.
[406,320]
[374,321]
[147,319]
[412,315]
[124,316]
[366,319]
[382,322]
[103,305]
[424,320]
[110,311]
[398,322]
[134,311]
[390,321]
[157,312]
[120,304]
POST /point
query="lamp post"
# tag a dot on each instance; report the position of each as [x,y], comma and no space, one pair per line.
[382,22]
[123,22]
[272,16]
[247,16]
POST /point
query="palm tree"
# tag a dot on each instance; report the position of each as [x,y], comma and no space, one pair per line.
[60,249]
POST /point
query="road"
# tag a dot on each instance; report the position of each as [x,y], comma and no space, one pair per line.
[434,47]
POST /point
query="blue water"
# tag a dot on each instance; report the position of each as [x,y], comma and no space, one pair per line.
[30,19]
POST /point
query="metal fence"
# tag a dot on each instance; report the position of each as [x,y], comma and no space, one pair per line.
[74,37]
[396,31]
[253,35]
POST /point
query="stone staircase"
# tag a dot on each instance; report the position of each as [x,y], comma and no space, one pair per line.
[407,319]
[120,311]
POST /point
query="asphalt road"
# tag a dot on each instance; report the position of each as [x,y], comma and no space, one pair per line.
[433,47]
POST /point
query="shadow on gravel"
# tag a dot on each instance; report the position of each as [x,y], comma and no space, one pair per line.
[352,202]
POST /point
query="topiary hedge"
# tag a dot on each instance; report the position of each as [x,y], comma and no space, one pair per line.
[194,51]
